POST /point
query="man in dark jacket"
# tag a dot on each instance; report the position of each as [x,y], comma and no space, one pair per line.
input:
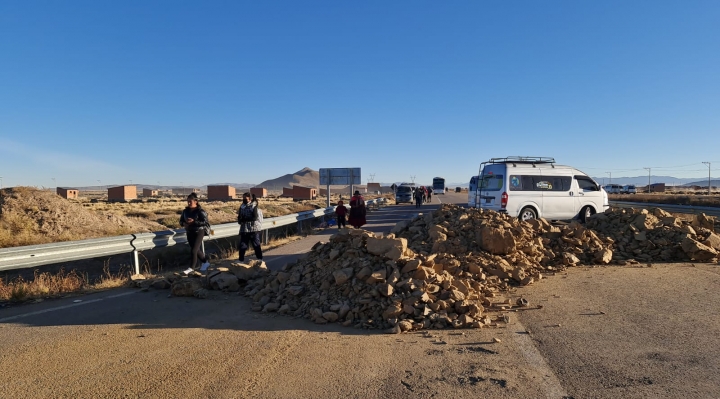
[250,220]
[195,221]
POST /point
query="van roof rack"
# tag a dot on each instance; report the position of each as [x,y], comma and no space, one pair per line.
[530,160]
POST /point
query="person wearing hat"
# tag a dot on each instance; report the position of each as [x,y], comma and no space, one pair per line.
[357,210]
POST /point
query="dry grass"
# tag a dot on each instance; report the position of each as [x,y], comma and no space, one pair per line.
[51,285]
[666,198]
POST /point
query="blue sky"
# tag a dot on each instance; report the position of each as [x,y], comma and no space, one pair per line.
[204,92]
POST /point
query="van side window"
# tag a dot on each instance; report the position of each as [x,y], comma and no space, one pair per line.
[539,183]
[586,184]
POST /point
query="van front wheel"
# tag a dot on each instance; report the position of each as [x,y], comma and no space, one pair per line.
[586,213]
[527,214]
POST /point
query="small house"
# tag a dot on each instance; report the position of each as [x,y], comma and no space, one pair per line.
[67,193]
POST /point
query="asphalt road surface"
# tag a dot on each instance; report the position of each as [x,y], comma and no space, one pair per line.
[606,332]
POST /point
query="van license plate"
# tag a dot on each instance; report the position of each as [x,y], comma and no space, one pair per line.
[487,200]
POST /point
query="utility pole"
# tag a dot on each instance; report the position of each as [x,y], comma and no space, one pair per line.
[372,177]
[648,169]
[53,179]
[0,182]
[708,165]
[610,173]
[412,178]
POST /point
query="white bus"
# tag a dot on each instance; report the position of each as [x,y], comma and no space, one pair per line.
[438,186]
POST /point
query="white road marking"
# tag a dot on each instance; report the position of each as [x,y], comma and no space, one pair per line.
[549,383]
[20,316]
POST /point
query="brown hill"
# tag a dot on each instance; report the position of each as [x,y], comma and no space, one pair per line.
[30,216]
[304,177]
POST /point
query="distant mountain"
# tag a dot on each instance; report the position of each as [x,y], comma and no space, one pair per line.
[304,177]
[643,180]
[704,183]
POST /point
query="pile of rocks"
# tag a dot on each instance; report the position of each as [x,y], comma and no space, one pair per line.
[364,281]
[656,235]
[450,268]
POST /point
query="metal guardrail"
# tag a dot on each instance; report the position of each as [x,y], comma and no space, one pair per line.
[708,210]
[46,254]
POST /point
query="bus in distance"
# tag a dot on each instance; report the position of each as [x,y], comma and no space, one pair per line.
[438,185]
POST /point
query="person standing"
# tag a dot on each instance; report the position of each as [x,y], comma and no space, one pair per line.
[250,220]
[195,221]
[357,210]
[340,214]
[429,192]
[419,194]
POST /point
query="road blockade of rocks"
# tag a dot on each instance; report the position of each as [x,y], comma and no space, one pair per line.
[451,267]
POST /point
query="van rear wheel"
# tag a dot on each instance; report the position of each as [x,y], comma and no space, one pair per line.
[586,213]
[527,214]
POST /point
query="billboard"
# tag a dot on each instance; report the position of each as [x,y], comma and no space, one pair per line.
[339,176]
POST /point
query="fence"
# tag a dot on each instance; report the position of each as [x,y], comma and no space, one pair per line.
[47,254]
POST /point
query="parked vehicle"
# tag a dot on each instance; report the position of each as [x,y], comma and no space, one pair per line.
[404,193]
[613,188]
[458,189]
[438,185]
[472,187]
[532,187]
[629,189]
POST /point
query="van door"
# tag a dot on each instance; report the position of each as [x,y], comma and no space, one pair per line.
[588,193]
[558,196]
[472,191]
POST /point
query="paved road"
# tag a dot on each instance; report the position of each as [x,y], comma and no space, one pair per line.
[602,333]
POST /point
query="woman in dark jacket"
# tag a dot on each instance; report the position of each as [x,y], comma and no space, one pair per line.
[195,221]
[357,210]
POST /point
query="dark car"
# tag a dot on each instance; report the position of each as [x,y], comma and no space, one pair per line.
[458,189]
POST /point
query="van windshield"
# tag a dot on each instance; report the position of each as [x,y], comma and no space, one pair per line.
[491,182]
[404,189]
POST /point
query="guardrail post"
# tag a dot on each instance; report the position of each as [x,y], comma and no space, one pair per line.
[265,236]
[137,261]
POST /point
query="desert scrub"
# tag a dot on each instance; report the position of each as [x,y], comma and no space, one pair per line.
[172,222]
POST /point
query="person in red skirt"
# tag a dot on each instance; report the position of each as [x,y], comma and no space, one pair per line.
[357,210]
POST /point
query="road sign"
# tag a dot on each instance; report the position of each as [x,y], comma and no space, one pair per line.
[339,176]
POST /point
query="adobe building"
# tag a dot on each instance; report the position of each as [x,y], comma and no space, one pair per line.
[67,193]
[122,193]
[287,192]
[657,188]
[259,192]
[148,192]
[304,193]
[221,193]
[374,187]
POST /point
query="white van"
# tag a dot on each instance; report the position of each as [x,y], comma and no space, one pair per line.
[532,187]
[472,187]
[629,189]
[613,188]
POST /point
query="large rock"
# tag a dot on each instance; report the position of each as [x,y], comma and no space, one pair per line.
[392,248]
[713,241]
[185,287]
[497,241]
[343,275]
[247,271]
[697,251]
[224,282]
[603,256]
[704,221]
